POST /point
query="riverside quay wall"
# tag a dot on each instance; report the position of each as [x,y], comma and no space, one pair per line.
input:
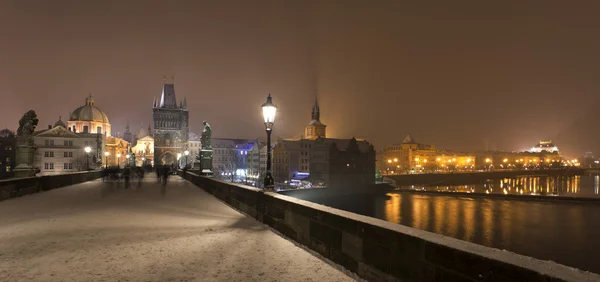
[377,250]
[16,187]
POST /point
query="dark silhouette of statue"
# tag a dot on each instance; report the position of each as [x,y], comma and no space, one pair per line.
[27,125]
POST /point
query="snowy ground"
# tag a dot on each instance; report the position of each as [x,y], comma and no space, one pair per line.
[96,231]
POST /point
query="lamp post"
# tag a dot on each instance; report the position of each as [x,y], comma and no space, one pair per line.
[106,154]
[87,157]
[127,157]
[118,159]
[186,153]
[269,111]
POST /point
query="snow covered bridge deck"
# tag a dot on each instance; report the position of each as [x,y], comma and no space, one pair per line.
[98,231]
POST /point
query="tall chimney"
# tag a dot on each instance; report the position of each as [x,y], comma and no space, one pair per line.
[49,126]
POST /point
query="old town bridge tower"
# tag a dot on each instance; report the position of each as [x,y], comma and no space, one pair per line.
[170,126]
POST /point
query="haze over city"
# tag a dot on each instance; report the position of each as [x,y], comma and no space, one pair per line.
[466,75]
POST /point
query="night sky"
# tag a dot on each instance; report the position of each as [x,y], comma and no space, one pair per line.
[464,75]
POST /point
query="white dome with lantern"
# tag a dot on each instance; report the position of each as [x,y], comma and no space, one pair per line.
[89,119]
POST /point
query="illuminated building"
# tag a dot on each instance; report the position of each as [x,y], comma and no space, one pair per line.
[60,150]
[256,163]
[413,157]
[544,146]
[291,160]
[315,129]
[170,126]
[194,146]
[144,151]
[229,157]
[89,119]
[402,158]
[8,149]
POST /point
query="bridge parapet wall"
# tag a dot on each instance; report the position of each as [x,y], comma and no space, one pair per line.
[16,187]
[377,250]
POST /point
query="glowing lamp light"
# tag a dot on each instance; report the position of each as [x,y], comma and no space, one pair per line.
[118,155]
[390,161]
[127,156]
[186,152]
[269,111]
[505,160]
[417,159]
[178,156]
[88,149]
[488,160]
[468,160]
[107,154]
[395,160]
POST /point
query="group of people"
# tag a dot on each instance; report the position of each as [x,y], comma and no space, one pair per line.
[126,174]
[163,172]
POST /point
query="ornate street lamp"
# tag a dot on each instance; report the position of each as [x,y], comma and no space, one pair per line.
[186,153]
[269,111]
[106,154]
[87,157]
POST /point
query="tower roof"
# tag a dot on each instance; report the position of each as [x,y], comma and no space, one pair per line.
[409,140]
[167,99]
[316,113]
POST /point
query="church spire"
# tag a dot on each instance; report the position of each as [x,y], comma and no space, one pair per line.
[316,115]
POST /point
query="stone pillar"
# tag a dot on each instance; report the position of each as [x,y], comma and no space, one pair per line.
[206,162]
[24,160]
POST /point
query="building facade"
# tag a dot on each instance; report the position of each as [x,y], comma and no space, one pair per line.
[256,163]
[8,149]
[59,150]
[343,163]
[171,127]
[194,147]
[229,158]
[144,151]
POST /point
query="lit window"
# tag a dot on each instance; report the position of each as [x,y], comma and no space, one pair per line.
[7,168]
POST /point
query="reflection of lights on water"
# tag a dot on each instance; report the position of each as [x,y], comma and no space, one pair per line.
[487,191]
[505,192]
[521,191]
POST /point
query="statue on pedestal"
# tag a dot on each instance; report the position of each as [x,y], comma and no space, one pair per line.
[24,159]
[205,155]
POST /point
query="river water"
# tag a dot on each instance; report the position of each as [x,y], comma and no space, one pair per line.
[564,232]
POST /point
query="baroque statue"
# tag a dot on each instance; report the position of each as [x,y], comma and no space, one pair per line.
[206,135]
[27,125]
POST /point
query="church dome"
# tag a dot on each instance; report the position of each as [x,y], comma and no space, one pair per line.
[60,123]
[89,112]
